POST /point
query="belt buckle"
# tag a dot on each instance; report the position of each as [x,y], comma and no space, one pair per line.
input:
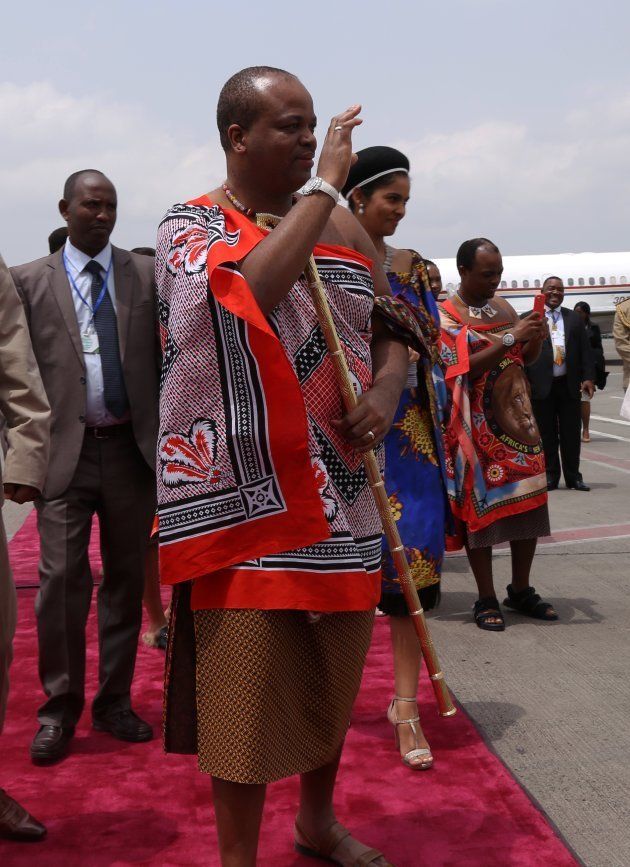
[98,435]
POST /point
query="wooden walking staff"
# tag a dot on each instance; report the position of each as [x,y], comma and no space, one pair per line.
[324,316]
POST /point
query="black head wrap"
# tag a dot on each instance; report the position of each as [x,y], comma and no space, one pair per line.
[374,163]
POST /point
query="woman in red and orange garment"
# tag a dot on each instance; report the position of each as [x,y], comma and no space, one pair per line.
[264,510]
[495,462]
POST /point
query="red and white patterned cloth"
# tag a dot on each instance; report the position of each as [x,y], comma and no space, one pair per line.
[260,501]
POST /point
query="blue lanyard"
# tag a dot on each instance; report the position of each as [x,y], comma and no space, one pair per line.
[76,288]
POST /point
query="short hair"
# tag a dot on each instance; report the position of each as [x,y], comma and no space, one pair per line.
[551,277]
[70,185]
[369,189]
[468,251]
[144,251]
[239,100]
[57,238]
[584,306]
[429,262]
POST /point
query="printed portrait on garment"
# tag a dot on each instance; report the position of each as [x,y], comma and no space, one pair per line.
[508,407]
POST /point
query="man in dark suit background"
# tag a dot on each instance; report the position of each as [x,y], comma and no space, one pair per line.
[563,370]
[91,314]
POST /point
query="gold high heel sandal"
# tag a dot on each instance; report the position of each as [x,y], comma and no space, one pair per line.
[417,753]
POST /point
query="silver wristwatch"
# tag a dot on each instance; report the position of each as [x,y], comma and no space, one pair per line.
[509,339]
[316,185]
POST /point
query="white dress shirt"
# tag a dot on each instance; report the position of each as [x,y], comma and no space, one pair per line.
[555,320]
[97,414]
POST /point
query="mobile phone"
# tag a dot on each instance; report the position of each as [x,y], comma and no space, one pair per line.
[539,303]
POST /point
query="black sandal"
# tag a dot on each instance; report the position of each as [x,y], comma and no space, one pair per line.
[486,609]
[528,602]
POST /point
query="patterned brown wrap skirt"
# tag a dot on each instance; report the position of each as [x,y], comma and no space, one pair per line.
[261,695]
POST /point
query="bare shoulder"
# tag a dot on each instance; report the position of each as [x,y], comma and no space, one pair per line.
[505,308]
[345,223]
[403,260]
[349,232]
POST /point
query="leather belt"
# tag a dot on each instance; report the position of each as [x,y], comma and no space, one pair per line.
[109,432]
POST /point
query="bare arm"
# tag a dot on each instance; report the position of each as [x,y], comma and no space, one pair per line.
[376,408]
[530,330]
[276,263]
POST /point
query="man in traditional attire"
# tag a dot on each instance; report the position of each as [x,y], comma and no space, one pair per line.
[265,515]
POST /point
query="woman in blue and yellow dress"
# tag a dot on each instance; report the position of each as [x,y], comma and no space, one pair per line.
[377,192]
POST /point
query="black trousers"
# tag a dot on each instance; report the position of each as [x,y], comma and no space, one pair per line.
[559,419]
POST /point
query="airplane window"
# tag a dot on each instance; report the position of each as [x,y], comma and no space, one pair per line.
[537,284]
[580,281]
[449,287]
[571,281]
[622,279]
[602,282]
[612,281]
[591,281]
[514,284]
[503,284]
[525,284]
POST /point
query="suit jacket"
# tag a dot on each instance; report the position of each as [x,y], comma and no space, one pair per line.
[22,398]
[47,297]
[621,333]
[578,358]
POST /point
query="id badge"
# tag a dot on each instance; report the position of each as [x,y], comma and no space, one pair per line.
[557,338]
[89,341]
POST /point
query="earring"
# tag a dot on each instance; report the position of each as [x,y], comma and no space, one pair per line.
[361,209]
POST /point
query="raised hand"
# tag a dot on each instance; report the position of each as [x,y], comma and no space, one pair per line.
[531,327]
[337,156]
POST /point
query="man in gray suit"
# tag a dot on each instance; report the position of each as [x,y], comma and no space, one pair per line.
[91,314]
[23,403]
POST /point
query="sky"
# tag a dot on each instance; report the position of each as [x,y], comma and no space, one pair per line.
[515,116]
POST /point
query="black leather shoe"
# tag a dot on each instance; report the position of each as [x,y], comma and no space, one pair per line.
[16,823]
[124,725]
[552,486]
[50,744]
[579,486]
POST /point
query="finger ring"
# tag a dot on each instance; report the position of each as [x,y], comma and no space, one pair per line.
[337,128]
[371,435]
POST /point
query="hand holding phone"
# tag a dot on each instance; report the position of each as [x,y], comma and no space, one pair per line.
[539,303]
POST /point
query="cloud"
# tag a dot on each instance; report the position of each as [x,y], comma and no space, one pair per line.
[558,186]
[563,186]
[48,134]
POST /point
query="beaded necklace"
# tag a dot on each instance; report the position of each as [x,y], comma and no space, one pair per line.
[249,212]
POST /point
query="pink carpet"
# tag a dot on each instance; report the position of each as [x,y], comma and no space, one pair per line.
[120,804]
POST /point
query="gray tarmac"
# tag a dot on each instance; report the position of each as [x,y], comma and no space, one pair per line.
[553,700]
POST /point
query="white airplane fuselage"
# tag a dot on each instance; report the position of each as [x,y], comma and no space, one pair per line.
[601,279]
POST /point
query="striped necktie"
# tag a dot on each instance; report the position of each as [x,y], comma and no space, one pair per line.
[116,399]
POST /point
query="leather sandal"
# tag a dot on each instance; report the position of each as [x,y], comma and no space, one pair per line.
[410,758]
[528,602]
[325,849]
[487,609]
